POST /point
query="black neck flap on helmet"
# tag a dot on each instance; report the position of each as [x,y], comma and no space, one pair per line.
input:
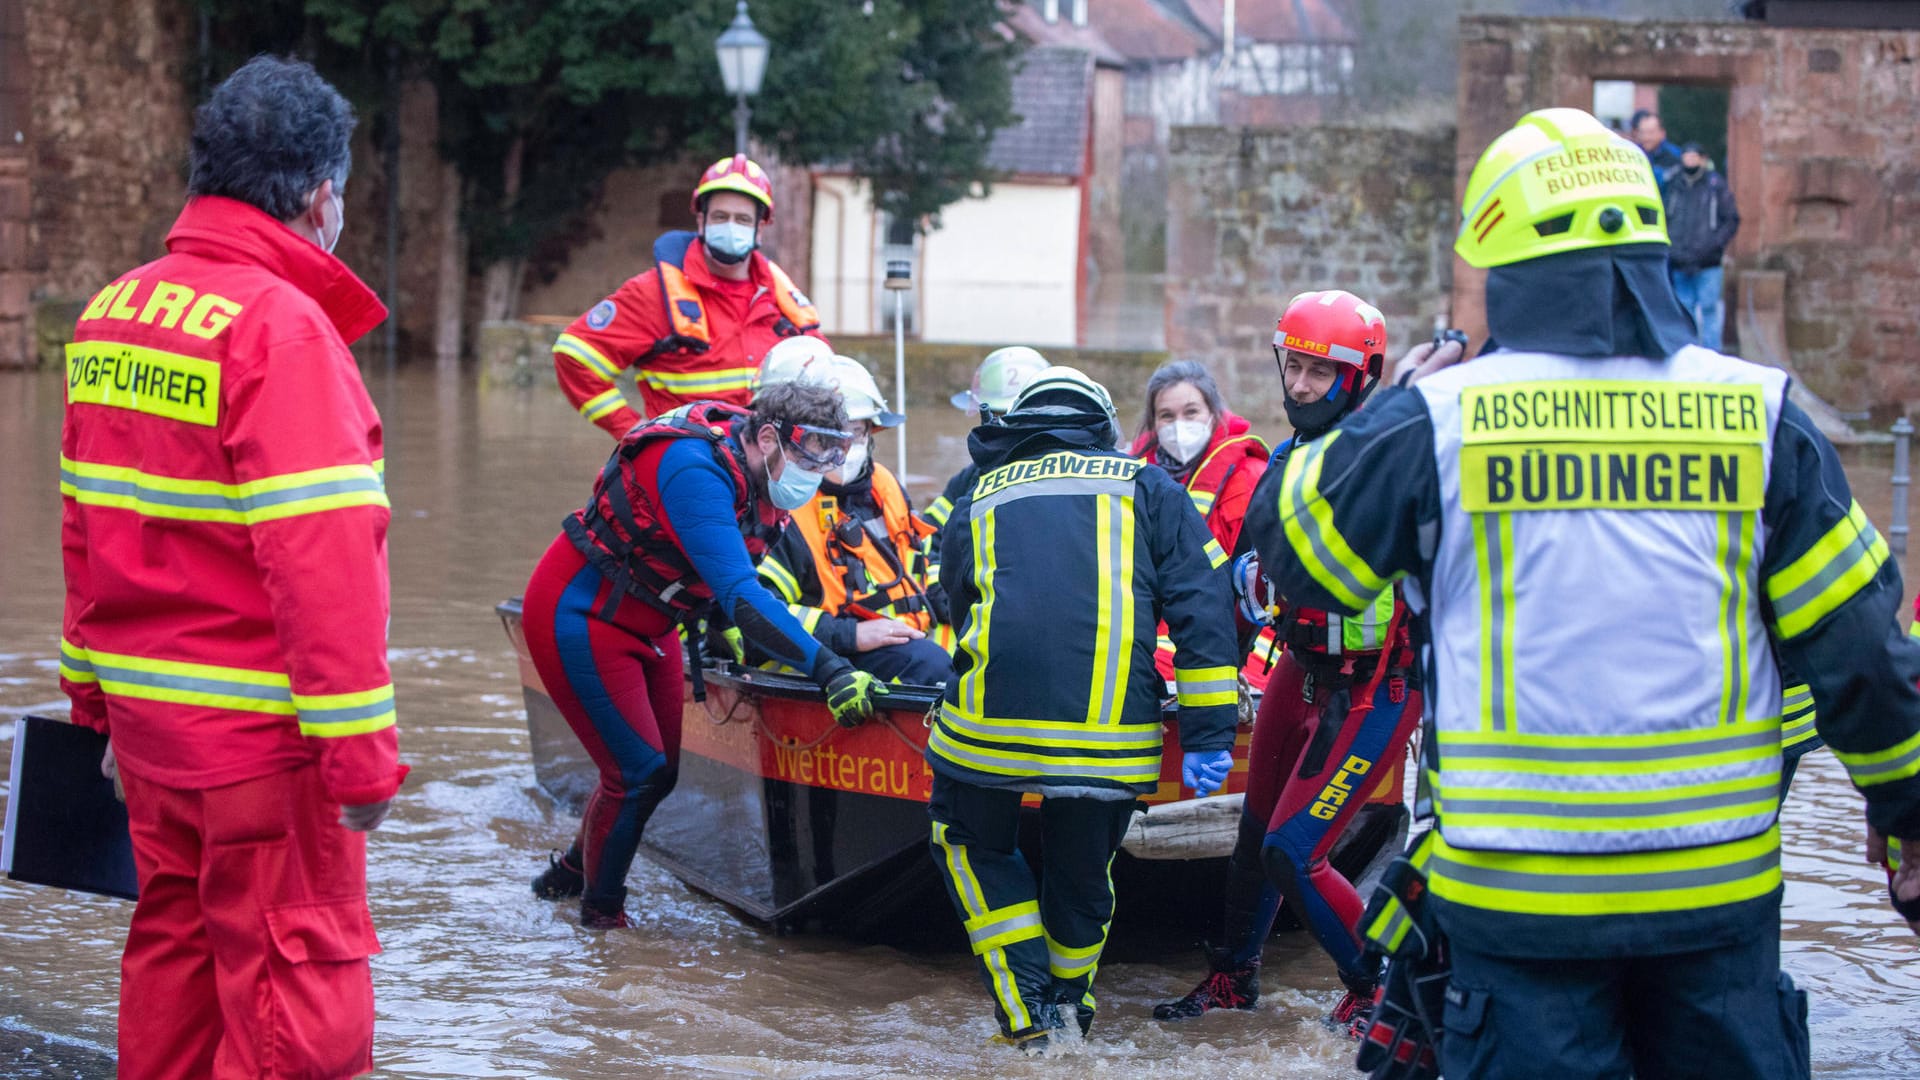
[1597,302]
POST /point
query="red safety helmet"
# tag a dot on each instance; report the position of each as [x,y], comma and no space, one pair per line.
[1341,327]
[736,173]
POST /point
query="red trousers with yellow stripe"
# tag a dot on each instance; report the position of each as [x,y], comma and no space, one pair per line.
[248,951]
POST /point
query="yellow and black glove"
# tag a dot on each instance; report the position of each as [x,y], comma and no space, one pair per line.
[851,693]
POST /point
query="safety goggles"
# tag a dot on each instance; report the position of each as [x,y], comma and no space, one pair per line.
[819,449]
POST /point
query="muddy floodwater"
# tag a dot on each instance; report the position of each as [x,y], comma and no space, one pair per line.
[478,978]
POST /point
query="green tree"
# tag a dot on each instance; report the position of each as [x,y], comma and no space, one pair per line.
[541,99]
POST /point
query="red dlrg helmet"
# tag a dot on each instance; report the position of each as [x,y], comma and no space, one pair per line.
[736,173]
[1336,325]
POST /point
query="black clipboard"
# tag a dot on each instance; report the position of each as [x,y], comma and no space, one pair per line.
[64,826]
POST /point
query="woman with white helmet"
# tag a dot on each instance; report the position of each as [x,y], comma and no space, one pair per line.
[853,564]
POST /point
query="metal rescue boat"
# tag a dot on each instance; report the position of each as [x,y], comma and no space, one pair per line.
[791,818]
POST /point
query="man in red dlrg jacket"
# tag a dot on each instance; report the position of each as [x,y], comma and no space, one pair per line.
[697,325]
[223,527]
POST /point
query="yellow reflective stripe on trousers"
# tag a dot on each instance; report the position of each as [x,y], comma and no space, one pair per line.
[973,900]
[1827,574]
[602,403]
[267,499]
[1492,546]
[1734,557]
[700,382]
[334,715]
[1308,520]
[1068,962]
[1638,883]
[1113,640]
[1199,687]
[1798,723]
[75,664]
[586,356]
[209,685]
[1896,762]
[1001,927]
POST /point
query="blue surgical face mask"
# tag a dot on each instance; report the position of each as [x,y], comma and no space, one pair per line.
[730,241]
[793,488]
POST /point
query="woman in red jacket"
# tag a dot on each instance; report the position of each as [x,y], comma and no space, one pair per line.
[1215,456]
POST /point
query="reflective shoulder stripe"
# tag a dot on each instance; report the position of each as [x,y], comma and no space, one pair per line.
[1311,532]
[1216,556]
[75,666]
[1827,574]
[586,356]
[337,715]
[267,499]
[1896,762]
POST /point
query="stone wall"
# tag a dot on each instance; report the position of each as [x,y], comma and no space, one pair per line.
[94,178]
[1823,155]
[1256,216]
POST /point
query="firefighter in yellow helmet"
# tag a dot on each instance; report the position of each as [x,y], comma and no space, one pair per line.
[1607,532]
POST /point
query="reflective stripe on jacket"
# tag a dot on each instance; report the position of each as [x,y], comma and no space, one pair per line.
[1059,565]
[684,348]
[843,563]
[224,515]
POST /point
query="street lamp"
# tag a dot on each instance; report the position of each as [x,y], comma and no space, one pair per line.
[743,63]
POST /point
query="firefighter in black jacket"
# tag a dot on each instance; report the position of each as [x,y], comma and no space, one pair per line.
[1061,561]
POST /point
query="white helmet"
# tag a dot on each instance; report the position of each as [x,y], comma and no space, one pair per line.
[794,358]
[1072,380]
[999,378]
[860,392]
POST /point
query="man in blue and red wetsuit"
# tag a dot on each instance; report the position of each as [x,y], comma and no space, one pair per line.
[680,512]
[1338,710]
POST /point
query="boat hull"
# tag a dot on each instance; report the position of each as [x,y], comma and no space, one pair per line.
[791,819]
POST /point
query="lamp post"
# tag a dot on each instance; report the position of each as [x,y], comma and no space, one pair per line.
[743,63]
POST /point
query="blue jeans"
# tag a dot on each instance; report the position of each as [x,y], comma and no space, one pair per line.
[1699,292]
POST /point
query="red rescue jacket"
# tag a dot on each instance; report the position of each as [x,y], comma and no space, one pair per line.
[1221,484]
[224,515]
[675,327]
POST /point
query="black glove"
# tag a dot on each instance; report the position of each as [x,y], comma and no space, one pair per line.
[1403,1041]
[938,604]
[851,693]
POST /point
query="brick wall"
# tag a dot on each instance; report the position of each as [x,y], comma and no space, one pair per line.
[1823,155]
[93,179]
[1255,217]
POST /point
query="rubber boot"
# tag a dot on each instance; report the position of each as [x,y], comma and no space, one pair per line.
[607,914]
[562,878]
[1227,986]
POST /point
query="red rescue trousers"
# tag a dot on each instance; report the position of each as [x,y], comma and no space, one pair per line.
[247,956]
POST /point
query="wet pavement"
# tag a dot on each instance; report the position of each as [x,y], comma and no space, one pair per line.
[481,979]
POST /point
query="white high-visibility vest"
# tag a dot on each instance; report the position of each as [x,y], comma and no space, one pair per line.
[1604,679]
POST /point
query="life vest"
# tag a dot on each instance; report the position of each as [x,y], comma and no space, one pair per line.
[623,533]
[687,316]
[855,569]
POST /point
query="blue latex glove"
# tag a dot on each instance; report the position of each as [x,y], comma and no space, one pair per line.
[1251,592]
[1205,770]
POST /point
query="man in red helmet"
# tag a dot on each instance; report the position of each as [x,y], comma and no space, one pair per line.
[698,324]
[1338,709]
